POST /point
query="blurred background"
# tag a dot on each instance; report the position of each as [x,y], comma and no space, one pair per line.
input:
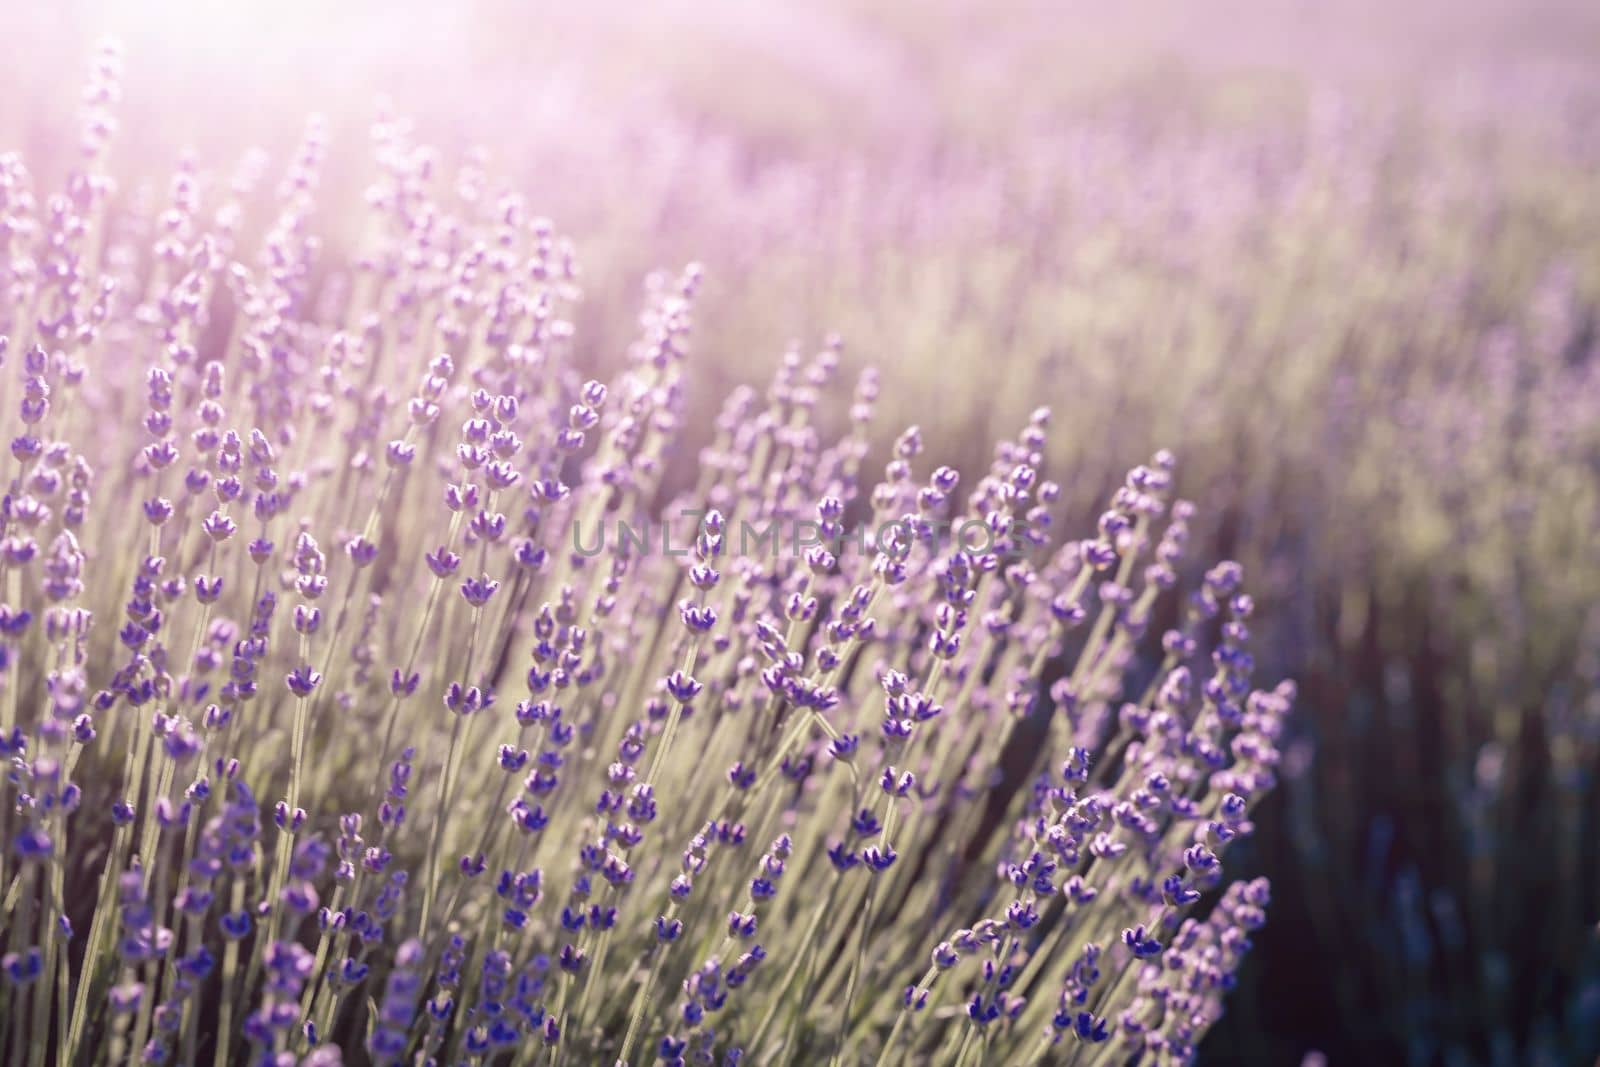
[1342,257]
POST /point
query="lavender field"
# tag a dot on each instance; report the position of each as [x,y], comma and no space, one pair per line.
[862,534]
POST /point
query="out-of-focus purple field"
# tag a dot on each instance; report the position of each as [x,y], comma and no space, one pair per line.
[1343,259]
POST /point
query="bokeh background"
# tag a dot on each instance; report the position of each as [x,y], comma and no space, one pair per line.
[1342,257]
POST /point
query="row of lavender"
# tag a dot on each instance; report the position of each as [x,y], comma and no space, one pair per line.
[326,739]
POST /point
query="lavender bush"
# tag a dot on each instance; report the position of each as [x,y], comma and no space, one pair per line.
[350,718]
[1344,263]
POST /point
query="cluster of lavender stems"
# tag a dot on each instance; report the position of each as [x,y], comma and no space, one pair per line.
[325,745]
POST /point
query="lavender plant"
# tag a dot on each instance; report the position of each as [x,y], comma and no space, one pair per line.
[371,693]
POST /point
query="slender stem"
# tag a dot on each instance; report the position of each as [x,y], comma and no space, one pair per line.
[856,967]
